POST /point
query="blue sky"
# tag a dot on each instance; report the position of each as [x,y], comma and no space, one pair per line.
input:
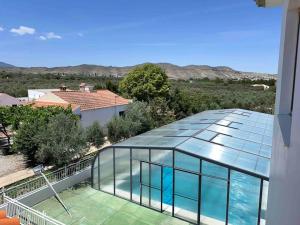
[232,33]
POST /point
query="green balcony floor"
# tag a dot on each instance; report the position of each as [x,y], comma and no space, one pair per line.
[92,207]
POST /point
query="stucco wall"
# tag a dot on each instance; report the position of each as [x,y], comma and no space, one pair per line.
[103,116]
[284,187]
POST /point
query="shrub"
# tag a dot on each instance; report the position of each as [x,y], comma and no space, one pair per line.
[95,135]
[55,142]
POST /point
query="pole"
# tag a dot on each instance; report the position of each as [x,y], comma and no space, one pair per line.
[56,195]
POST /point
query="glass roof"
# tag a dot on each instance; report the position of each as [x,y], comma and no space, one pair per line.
[234,137]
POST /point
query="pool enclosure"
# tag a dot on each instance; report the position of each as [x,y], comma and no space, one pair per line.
[211,168]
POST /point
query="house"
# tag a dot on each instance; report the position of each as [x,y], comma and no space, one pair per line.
[263,86]
[284,191]
[7,100]
[99,105]
[34,94]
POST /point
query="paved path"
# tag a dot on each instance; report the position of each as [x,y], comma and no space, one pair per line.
[14,177]
[12,168]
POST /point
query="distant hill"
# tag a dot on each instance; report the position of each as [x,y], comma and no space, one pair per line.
[5,65]
[173,71]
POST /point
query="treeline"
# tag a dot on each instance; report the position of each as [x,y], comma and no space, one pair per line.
[54,136]
[17,84]
[159,101]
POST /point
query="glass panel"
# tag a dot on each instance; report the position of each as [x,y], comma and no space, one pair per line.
[106,171]
[206,135]
[187,162]
[145,196]
[156,177]
[164,157]
[223,122]
[137,156]
[155,198]
[186,195]
[264,202]
[145,181]
[167,187]
[122,172]
[95,173]
[243,199]
[214,193]
[181,203]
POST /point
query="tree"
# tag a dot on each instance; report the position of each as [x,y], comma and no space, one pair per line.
[180,103]
[56,141]
[119,128]
[139,113]
[137,120]
[160,112]
[95,135]
[27,140]
[145,83]
[61,141]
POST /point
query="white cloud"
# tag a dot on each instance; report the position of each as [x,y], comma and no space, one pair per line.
[50,35]
[1,29]
[42,38]
[80,34]
[22,30]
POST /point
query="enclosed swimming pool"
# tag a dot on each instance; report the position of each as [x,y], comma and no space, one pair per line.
[211,168]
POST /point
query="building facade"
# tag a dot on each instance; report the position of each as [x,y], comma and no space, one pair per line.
[284,191]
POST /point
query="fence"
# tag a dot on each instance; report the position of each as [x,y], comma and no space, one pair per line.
[27,215]
[39,182]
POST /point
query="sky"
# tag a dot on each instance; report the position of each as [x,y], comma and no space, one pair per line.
[234,33]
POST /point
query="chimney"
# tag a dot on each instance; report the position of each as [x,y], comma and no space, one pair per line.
[83,87]
[63,87]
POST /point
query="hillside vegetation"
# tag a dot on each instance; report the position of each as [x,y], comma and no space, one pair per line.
[172,71]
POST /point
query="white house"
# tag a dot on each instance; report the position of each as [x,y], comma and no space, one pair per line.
[7,100]
[99,106]
[34,94]
[284,186]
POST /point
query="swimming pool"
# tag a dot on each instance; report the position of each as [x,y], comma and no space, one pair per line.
[243,201]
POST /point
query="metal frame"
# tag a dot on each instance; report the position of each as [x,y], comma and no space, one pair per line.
[199,174]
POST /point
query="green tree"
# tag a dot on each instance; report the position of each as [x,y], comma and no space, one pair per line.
[139,113]
[61,141]
[180,103]
[95,135]
[119,128]
[160,112]
[137,120]
[56,142]
[145,83]
[27,140]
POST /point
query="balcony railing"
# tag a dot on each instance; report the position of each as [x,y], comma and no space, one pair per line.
[39,182]
[27,215]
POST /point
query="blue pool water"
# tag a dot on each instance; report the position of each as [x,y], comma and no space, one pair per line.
[243,200]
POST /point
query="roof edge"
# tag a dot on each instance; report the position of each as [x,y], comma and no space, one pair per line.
[268,3]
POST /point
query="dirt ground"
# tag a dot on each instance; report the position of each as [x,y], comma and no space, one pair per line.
[11,163]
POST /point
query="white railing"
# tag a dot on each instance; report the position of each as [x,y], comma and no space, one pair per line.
[39,182]
[27,215]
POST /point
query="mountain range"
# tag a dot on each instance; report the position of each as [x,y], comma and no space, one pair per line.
[173,71]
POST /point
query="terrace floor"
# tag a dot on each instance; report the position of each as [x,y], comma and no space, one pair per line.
[92,207]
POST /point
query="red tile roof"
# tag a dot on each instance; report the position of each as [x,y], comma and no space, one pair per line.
[40,104]
[92,100]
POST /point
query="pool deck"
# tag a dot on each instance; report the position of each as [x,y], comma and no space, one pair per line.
[92,207]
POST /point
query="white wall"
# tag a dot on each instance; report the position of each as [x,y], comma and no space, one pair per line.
[34,94]
[103,115]
[284,187]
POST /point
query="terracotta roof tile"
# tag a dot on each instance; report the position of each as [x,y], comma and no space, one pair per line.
[92,100]
[40,104]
